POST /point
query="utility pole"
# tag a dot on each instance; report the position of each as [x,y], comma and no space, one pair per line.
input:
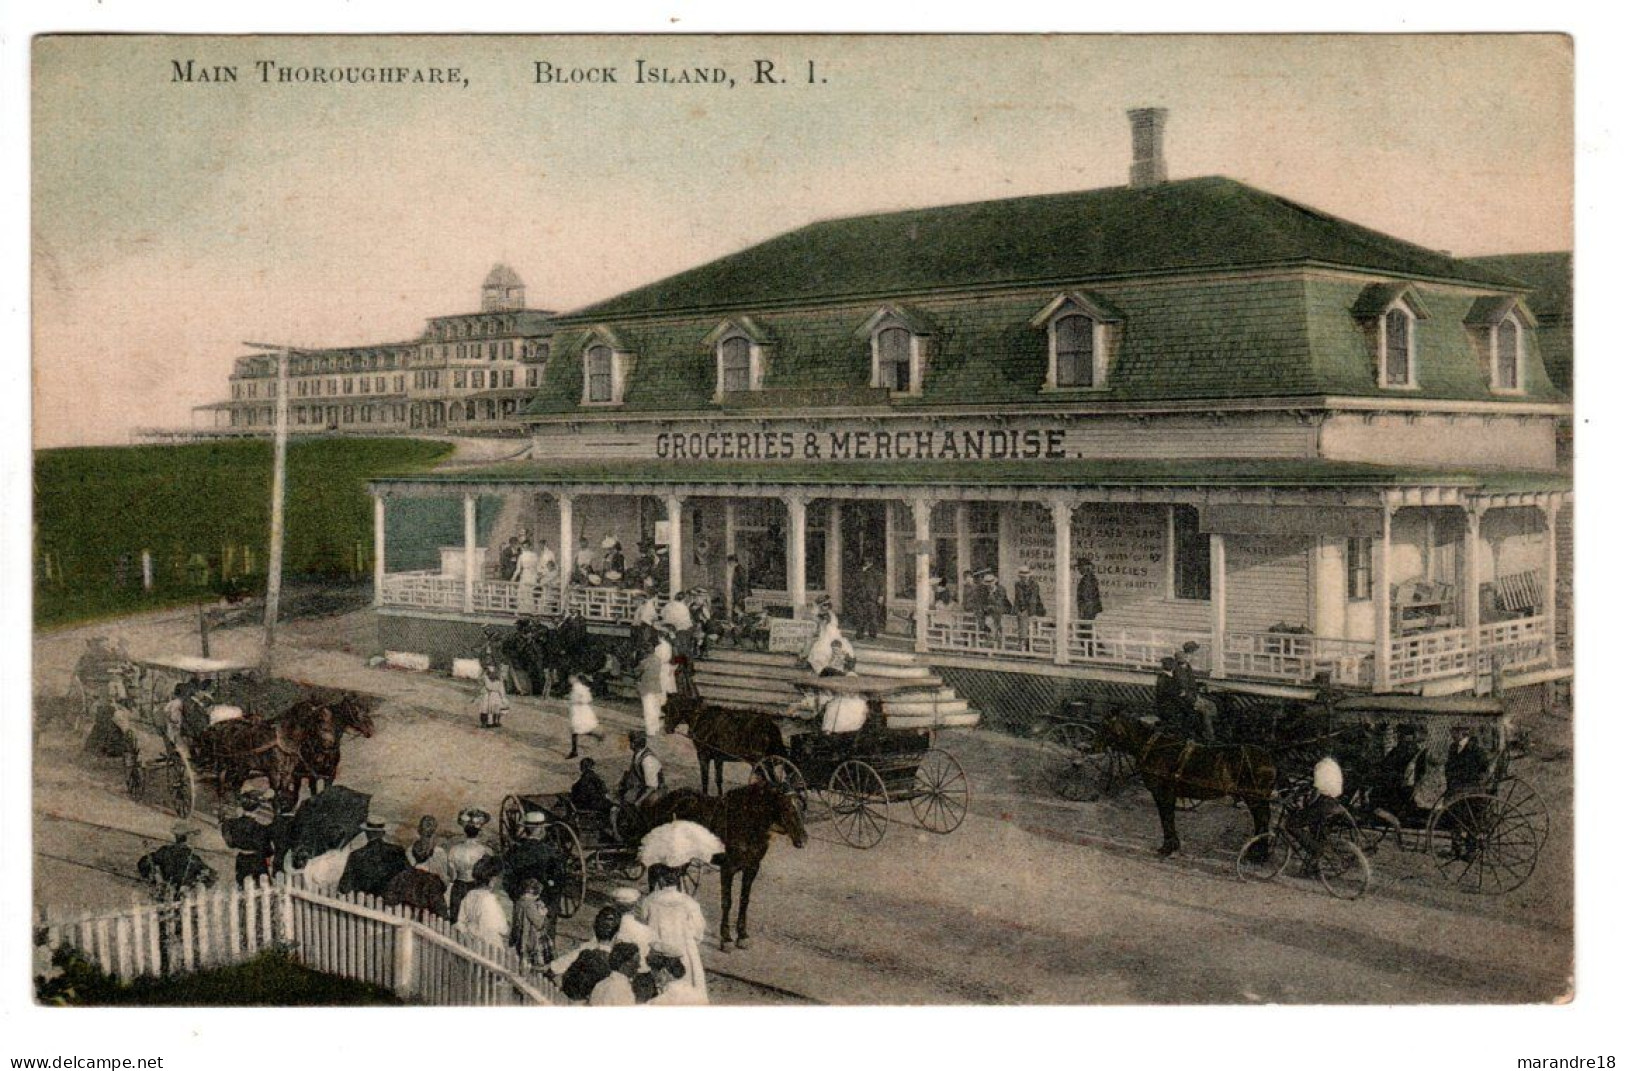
[279,480]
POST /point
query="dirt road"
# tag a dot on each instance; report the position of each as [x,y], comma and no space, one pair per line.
[1032,900]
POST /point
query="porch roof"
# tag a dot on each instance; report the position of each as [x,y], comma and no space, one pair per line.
[1263,476]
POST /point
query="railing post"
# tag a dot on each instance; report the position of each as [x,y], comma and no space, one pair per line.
[405,960]
[1383,598]
[1065,598]
[921,508]
[377,550]
[1218,602]
[1470,610]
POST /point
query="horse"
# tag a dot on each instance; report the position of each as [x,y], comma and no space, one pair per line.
[744,819]
[313,730]
[1175,768]
[723,736]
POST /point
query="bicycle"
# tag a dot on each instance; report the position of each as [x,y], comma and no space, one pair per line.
[1333,854]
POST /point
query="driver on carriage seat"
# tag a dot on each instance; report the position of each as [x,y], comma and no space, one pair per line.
[644,779]
[590,793]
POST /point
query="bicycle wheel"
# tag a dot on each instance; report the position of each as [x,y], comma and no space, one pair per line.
[1263,857]
[1343,869]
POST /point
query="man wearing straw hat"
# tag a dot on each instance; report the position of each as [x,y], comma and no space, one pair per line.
[532,856]
[371,866]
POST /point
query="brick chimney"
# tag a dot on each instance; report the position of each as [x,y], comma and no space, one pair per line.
[1149,168]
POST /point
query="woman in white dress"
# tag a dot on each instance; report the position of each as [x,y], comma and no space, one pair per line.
[829,652]
[676,922]
[482,914]
[526,571]
[583,719]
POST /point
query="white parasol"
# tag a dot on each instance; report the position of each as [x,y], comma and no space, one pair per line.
[676,844]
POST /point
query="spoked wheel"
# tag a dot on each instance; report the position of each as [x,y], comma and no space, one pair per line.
[134,776]
[182,786]
[1263,857]
[510,821]
[1521,797]
[1067,745]
[783,775]
[1343,869]
[941,792]
[1481,845]
[858,803]
[568,845]
[1092,775]
[81,708]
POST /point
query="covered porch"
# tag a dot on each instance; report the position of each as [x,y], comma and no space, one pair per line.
[1369,583]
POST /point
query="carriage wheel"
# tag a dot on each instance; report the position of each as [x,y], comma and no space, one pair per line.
[1343,869]
[1521,797]
[1092,775]
[1481,845]
[1263,857]
[688,878]
[81,708]
[568,845]
[134,777]
[858,803]
[182,787]
[941,792]
[783,775]
[630,868]
[510,821]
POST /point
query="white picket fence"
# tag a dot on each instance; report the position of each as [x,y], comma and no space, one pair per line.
[421,958]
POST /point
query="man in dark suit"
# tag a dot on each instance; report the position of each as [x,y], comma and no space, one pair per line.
[175,868]
[250,834]
[1466,767]
[1089,605]
[371,866]
[533,857]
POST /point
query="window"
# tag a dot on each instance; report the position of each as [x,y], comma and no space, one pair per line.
[1191,561]
[1398,343]
[400,384]
[532,376]
[349,384]
[733,355]
[477,379]
[378,384]
[1358,557]
[1507,341]
[600,374]
[507,377]
[894,359]
[459,379]
[1074,340]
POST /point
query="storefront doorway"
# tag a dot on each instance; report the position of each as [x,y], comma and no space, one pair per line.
[863,538]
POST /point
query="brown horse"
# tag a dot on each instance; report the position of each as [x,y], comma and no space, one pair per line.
[314,730]
[744,819]
[1175,768]
[722,736]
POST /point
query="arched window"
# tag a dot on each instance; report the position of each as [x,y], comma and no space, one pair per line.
[734,356]
[1398,348]
[600,374]
[1508,342]
[894,359]
[1074,341]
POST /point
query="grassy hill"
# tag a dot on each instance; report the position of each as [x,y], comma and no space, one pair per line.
[203,511]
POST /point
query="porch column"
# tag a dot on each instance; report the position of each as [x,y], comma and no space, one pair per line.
[1218,604]
[796,554]
[832,553]
[1008,517]
[567,539]
[1549,509]
[961,546]
[887,512]
[730,521]
[1065,599]
[922,570]
[377,550]
[1382,596]
[674,540]
[470,544]
[1470,611]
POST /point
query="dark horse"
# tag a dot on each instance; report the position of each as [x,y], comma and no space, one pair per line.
[723,736]
[1175,768]
[744,819]
[301,746]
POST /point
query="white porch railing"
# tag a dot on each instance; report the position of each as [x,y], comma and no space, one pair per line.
[423,591]
[955,631]
[1513,644]
[1298,658]
[1135,646]
[1426,656]
[421,958]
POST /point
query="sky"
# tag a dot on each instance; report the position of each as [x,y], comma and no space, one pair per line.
[174,220]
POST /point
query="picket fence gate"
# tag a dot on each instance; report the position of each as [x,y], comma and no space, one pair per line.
[423,959]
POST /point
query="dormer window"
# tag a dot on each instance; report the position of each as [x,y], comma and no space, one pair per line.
[1079,329]
[1507,354]
[741,354]
[897,349]
[600,374]
[604,363]
[1398,348]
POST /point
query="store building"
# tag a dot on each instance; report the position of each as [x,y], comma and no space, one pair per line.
[1314,450]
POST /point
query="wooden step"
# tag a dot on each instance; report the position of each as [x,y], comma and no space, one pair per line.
[885,655]
[793,676]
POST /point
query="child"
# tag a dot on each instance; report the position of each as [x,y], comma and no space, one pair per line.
[583,719]
[530,927]
[493,697]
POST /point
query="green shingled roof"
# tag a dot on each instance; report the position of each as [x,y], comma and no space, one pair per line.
[1196,224]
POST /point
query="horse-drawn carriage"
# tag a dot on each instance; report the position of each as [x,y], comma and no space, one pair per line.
[859,764]
[592,843]
[1482,836]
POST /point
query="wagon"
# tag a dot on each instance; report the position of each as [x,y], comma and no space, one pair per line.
[860,775]
[99,676]
[157,767]
[1483,839]
[589,841]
